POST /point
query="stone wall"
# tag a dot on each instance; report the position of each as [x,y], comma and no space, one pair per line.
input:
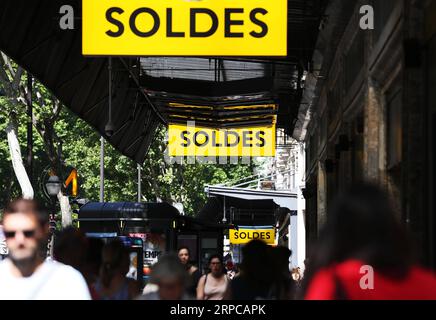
[386,87]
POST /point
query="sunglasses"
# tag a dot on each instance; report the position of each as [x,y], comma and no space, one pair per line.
[27,234]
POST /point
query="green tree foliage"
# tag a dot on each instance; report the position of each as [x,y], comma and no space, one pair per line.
[184,183]
[57,129]
[161,181]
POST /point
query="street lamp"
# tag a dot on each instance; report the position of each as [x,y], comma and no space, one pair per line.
[53,186]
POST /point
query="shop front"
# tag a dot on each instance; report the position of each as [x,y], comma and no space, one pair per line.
[150,230]
[265,215]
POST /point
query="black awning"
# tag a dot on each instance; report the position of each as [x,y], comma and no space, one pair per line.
[191,223]
[246,212]
[101,211]
[30,34]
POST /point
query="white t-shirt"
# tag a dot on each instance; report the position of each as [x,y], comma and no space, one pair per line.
[51,281]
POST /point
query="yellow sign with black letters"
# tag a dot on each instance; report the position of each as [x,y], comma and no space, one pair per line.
[185,28]
[245,235]
[187,141]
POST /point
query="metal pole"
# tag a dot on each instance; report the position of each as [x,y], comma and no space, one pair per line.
[102,169]
[52,226]
[224,211]
[108,127]
[139,183]
[29,128]
[110,90]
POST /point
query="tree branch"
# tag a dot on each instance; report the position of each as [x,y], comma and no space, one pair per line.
[7,62]
[17,79]
[38,126]
[57,108]
[4,79]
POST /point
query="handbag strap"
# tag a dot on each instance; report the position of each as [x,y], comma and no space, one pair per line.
[204,288]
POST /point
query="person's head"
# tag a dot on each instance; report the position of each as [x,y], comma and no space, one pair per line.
[184,255]
[256,265]
[280,257]
[362,225]
[71,247]
[296,275]
[25,226]
[115,261]
[170,275]
[216,266]
[93,257]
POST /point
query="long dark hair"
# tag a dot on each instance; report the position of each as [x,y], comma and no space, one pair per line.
[220,258]
[185,248]
[362,225]
[115,257]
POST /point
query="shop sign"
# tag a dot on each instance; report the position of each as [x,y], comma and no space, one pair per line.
[206,142]
[185,28]
[246,234]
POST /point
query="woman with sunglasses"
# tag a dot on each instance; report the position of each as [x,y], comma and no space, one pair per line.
[213,285]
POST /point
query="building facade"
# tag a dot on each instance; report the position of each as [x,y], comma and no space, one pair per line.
[372,112]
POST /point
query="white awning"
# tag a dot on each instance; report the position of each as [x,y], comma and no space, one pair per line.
[284,199]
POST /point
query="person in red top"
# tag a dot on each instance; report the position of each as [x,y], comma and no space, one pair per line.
[364,253]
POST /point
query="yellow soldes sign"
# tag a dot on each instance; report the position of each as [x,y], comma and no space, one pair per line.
[245,235]
[185,27]
[185,140]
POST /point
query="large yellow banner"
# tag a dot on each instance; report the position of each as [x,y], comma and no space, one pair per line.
[185,140]
[245,235]
[185,28]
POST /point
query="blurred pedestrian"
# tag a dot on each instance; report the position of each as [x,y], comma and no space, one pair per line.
[256,278]
[70,248]
[364,253]
[73,248]
[297,280]
[184,255]
[283,286]
[171,278]
[213,285]
[296,274]
[25,274]
[113,283]
[92,264]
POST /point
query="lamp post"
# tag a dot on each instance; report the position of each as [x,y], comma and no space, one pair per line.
[53,186]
